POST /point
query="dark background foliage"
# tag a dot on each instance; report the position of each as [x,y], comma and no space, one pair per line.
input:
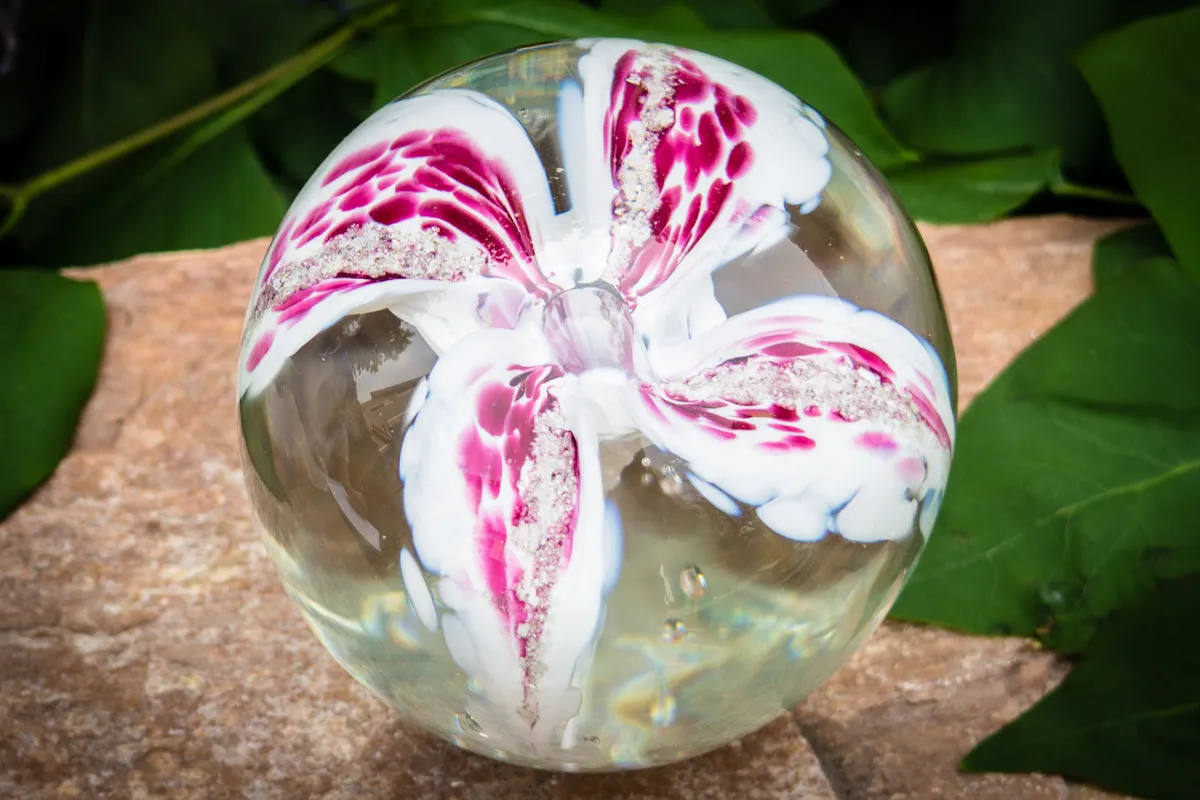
[982,99]
[1073,514]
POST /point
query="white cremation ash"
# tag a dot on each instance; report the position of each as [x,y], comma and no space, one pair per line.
[638,194]
[549,486]
[829,383]
[375,251]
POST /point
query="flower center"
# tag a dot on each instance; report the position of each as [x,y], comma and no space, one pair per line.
[589,327]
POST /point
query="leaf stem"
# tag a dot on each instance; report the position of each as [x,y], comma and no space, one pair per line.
[260,89]
[205,133]
[1068,189]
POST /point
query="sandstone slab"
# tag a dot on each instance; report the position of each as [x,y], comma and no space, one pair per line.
[147,650]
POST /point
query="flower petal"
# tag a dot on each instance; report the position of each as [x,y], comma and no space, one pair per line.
[440,188]
[700,157]
[502,490]
[821,416]
[442,312]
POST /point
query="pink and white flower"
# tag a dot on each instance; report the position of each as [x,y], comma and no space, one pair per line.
[557,330]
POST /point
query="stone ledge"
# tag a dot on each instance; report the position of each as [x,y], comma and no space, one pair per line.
[147,650]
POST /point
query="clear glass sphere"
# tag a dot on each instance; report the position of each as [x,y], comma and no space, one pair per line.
[597,398]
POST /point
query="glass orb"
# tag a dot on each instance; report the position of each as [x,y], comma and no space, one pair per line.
[597,398]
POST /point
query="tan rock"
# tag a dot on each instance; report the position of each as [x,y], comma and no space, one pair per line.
[147,649]
[1004,284]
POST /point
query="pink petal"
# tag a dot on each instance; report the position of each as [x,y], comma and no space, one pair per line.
[695,149]
[440,188]
[501,489]
[820,416]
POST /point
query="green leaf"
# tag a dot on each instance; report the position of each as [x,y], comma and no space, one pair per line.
[219,195]
[1128,716]
[51,339]
[973,191]
[793,13]
[406,58]
[879,39]
[1126,249]
[295,132]
[1076,478]
[249,37]
[141,61]
[731,14]
[1011,83]
[450,32]
[1147,77]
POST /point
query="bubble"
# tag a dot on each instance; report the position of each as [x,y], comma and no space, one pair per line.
[670,481]
[674,630]
[664,709]
[693,582]
[465,723]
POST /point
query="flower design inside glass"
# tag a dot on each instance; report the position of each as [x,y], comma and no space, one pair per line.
[592,403]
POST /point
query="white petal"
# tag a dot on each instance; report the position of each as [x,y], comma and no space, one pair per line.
[395,143]
[699,158]
[502,490]
[442,188]
[824,417]
[577,252]
[441,312]
[879,510]
[576,603]
[417,590]
[715,496]
[796,518]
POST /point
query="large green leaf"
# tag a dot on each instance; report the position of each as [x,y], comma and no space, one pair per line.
[1011,83]
[1076,480]
[1125,249]
[249,36]
[793,13]
[1128,716]
[973,191]
[733,14]
[51,339]
[443,34]
[398,61]
[1147,77]
[437,35]
[141,61]
[300,128]
[880,39]
[218,195]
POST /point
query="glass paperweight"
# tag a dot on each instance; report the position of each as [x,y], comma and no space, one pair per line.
[596,399]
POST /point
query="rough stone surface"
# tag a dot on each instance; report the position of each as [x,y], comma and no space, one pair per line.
[147,650]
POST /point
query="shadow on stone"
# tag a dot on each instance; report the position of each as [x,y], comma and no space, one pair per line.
[775,762]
